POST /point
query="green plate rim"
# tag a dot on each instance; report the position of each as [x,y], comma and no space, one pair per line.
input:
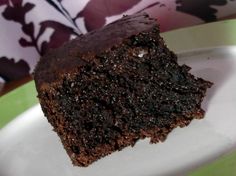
[215,34]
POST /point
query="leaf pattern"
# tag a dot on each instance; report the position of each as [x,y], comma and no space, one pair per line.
[200,8]
[52,3]
[25,43]
[61,34]
[61,9]
[96,11]
[11,70]
[17,11]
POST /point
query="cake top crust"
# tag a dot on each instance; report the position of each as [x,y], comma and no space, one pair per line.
[82,49]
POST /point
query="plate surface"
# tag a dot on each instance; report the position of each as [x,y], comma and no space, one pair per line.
[28,146]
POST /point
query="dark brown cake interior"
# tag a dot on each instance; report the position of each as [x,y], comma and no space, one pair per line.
[131,90]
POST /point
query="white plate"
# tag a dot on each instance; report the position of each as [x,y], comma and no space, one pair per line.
[29,147]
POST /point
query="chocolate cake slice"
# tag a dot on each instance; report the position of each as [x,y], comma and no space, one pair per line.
[107,89]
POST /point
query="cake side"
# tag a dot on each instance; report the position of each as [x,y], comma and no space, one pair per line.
[116,96]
